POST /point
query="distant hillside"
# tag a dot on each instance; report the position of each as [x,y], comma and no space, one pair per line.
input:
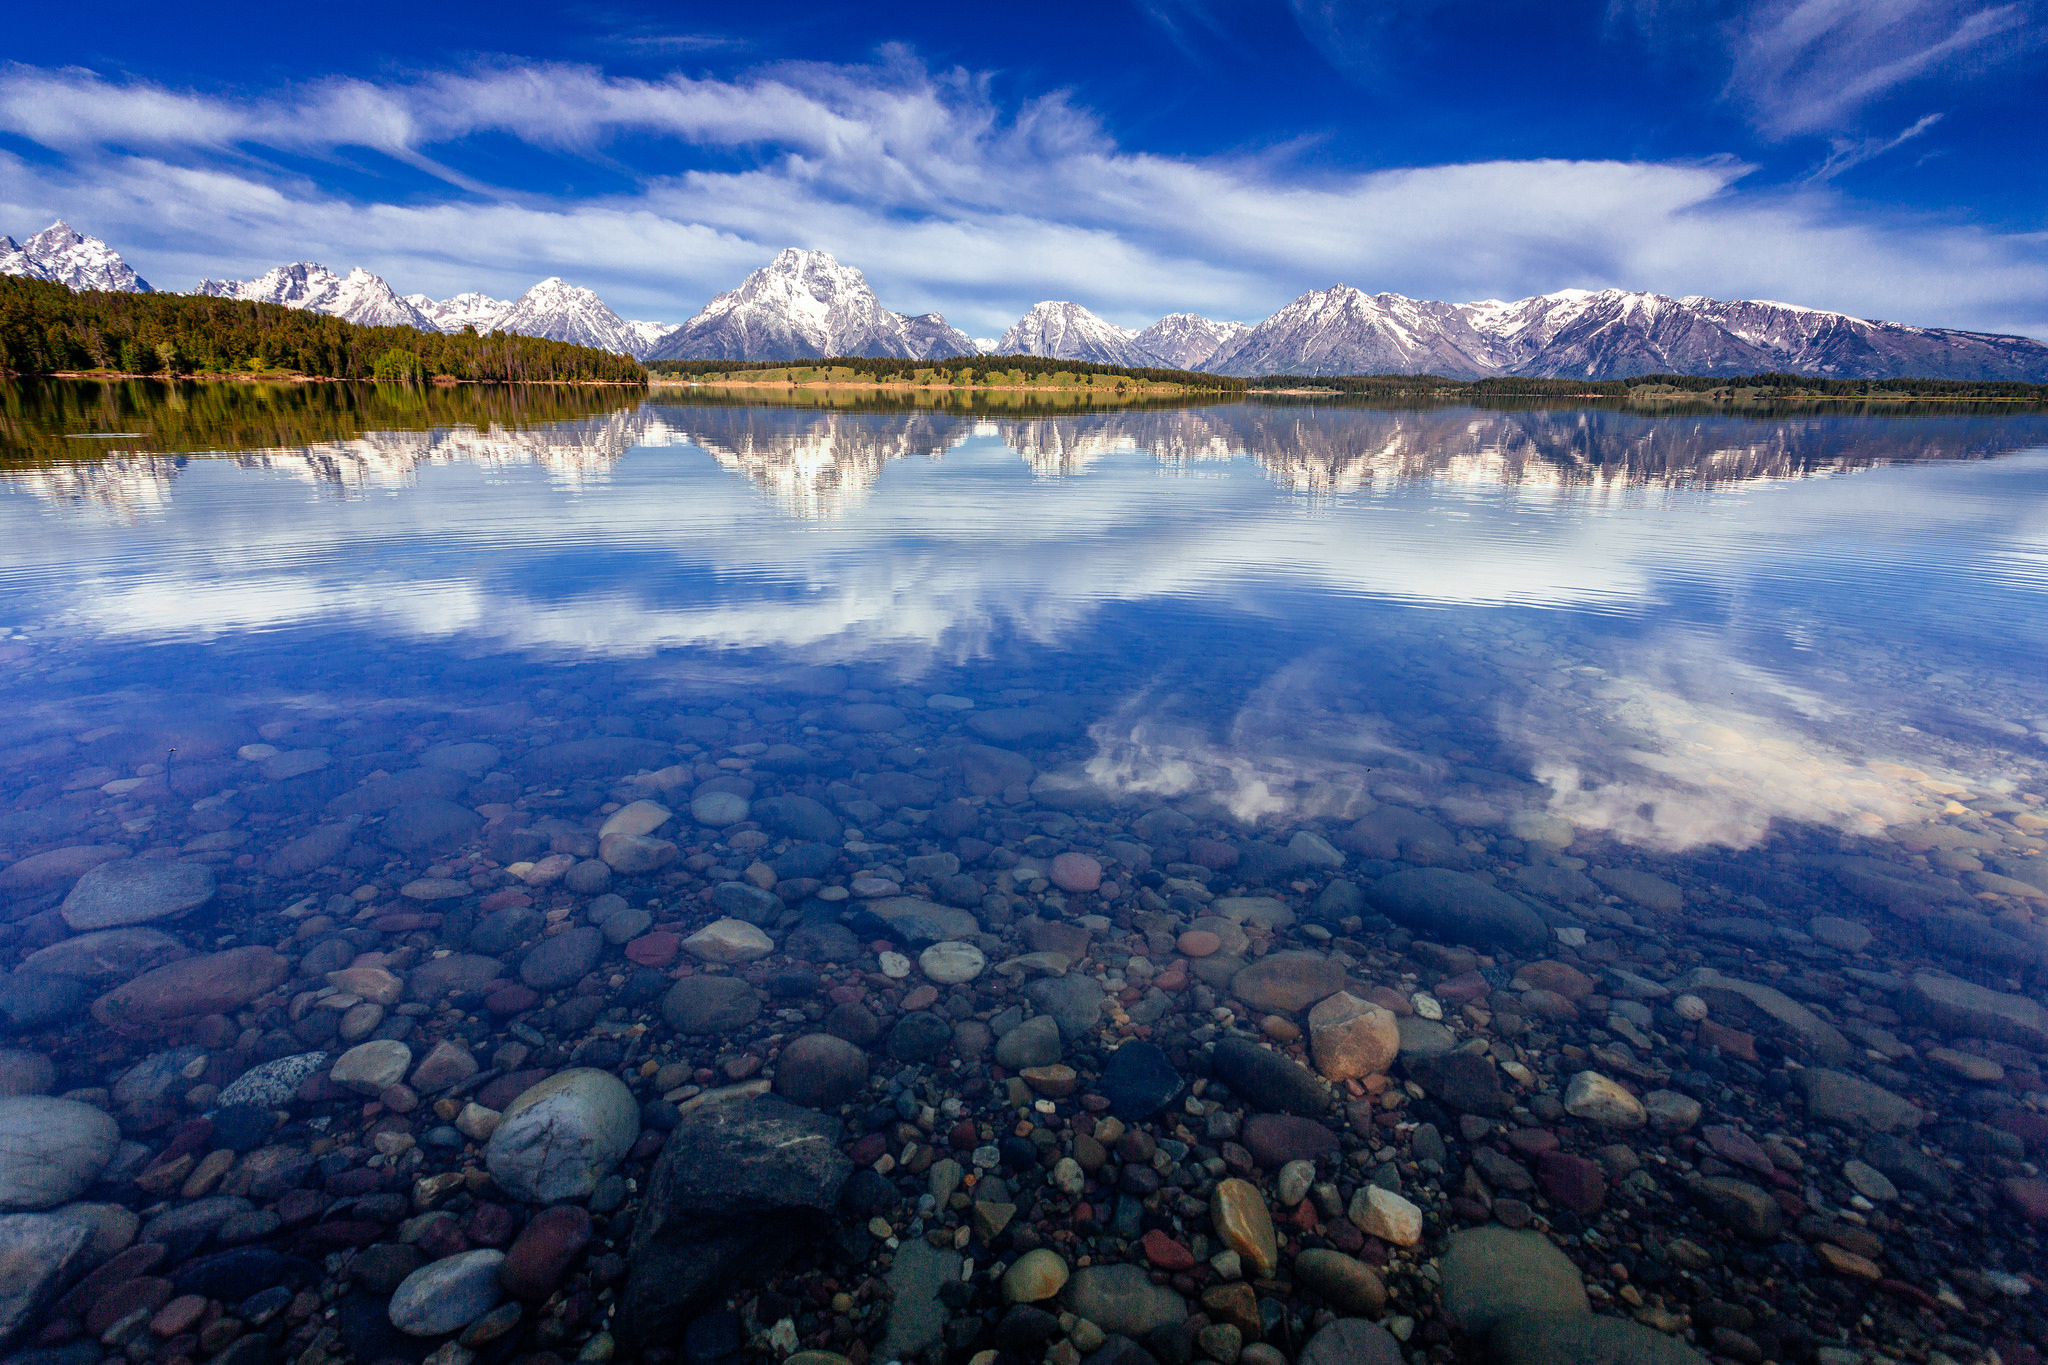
[46,328]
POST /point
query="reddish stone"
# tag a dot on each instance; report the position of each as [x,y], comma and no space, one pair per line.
[2024,1124]
[1463,989]
[1732,1042]
[354,1181]
[143,1295]
[544,1251]
[1732,1144]
[1532,1141]
[845,995]
[1387,998]
[965,1137]
[869,1149]
[183,991]
[511,999]
[127,1265]
[488,1224]
[1345,1236]
[1276,1139]
[405,922]
[1213,854]
[1572,1182]
[443,1238]
[1165,1253]
[923,998]
[300,1206]
[1560,978]
[1076,872]
[1173,980]
[510,897]
[1911,1293]
[2028,1195]
[657,949]
[178,1315]
[508,1088]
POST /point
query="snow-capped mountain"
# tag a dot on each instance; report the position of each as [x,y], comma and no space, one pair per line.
[357,297]
[473,309]
[565,312]
[1610,334]
[1188,341]
[63,254]
[1067,331]
[805,305]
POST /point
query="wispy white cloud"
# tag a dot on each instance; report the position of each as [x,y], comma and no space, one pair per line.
[1846,153]
[947,198]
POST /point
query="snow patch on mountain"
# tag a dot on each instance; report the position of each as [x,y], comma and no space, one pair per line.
[805,305]
[1060,330]
[561,311]
[359,296]
[1188,341]
[473,309]
[63,255]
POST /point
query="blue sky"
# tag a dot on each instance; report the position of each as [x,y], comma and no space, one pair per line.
[1884,157]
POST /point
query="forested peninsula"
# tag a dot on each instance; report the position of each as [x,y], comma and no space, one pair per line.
[46,328]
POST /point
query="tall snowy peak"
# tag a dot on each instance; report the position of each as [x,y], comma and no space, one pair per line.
[1188,341]
[66,256]
[1343,330]
[804,305]
[561,311]
[473,309]
[1067,331]
[359,296]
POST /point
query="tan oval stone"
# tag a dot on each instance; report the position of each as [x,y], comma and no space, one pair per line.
[1239,1213]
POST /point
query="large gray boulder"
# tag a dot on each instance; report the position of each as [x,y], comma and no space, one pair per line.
[563,1135]
[136,891]
[1452,907]
[51,1149]
[739,1186]
[39,1252]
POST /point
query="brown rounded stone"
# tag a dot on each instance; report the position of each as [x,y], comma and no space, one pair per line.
[544,1251]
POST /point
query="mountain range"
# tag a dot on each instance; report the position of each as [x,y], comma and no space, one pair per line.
[806,305]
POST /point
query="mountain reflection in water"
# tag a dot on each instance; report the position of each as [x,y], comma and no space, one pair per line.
[1669,628]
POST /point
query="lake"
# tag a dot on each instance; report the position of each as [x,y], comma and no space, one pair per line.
[1605,843]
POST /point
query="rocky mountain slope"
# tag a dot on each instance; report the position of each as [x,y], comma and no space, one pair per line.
[805,305]
[359,297]
[1067,331]
[473,309]
[63,254]
[1188,341]
[565,312]
[1610,334]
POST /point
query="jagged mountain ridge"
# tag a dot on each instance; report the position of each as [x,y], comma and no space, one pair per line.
[1188,341]
[472,309]
[804,305]
[1067,331]
[1610,334]
[359,297]
[62,254]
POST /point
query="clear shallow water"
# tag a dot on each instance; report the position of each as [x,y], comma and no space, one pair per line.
[1670,630]
[1704,701]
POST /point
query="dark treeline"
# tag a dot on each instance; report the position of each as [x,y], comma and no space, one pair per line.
[985,369]
[46,328]
[42,419]
[1653,385]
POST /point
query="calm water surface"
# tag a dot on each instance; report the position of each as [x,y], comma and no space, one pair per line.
[1672,631]
[1723,715]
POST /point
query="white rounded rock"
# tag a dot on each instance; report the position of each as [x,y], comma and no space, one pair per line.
[894,965]
[729,940]
[563,1135]
[951,963]
[51,1149]
[1690,1008]
[637,818]
[1599,1099]
[373,1067]
[716,810]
